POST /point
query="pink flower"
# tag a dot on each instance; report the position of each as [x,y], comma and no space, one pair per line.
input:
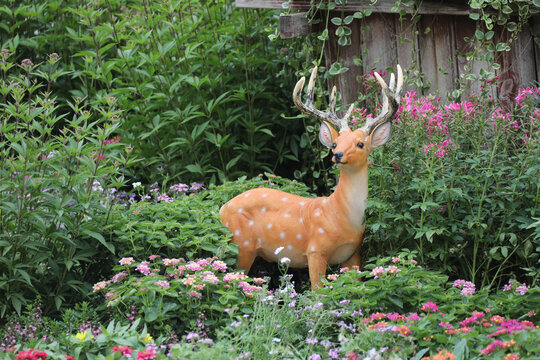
[31,354]
[123,349]
[429,306]
[203,262]
[163,284]
[195,294]
[148,354]
[379,270]
[170,262]
[392,269]
[100,285]
[522,289]
[119,277]
[396,259]
[126,261]
[143,268]
[193,266]
[219,265]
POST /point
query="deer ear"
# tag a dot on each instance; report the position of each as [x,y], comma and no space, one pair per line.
[327,134]
[381,134]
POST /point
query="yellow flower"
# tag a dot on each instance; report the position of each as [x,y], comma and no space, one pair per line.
[82,335]
[148,339]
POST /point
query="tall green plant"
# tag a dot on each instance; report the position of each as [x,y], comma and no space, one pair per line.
[56,166]
[459,184]
[193,81]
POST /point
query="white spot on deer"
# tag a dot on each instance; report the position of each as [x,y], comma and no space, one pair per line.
[284,199]
[239,210]
[259,241]
[325,201]
[246,243]
[299,236]
[237,233]
[302,203]
[227,224]
[289,247]
[282,235]
[287,215]
[321,230]
[269,226]
[263,209]
[264,195]
[301,220]
[251,222]
[312,249]
[246,195]
[317,213]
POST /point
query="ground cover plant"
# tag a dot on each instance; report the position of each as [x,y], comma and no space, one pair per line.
[343,320]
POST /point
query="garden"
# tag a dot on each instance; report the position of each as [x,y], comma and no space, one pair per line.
[125,126]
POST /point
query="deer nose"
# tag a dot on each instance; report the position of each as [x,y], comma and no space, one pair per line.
[338,156]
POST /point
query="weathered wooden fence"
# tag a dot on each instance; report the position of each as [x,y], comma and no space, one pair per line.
[434,47]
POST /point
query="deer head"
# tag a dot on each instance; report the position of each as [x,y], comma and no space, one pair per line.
[315,232]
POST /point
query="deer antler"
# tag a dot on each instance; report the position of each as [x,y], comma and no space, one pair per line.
[391,96]
[309,109]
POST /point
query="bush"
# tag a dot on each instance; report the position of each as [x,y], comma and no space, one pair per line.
[183,220]
[58,170]
[459,183]
[179,295]
[344,319]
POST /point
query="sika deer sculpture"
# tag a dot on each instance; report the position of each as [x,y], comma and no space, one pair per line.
[325,230]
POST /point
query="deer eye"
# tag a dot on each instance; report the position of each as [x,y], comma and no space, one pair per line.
[334,145]
[360,145]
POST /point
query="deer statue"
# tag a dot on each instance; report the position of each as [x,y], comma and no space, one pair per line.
[315,232]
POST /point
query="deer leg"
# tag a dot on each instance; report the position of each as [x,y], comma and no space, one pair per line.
[354,261]
[245,259]
[317,269]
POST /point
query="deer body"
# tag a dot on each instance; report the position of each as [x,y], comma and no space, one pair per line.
[313,232]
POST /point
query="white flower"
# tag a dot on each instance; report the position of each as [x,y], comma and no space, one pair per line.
[285,260]
[278,250]
[136,185]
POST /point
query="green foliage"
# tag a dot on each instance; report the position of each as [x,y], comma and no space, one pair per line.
[179,295]
[55,165]
[193,84]
[345,318]
[187,227]
[459,183]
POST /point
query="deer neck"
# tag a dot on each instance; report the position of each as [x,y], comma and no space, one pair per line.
[350,196]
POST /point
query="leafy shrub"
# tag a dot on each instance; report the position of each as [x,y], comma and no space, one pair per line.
[346,319]
[398,284]
[183,220]
[178,294]
[58,169]
[459,183]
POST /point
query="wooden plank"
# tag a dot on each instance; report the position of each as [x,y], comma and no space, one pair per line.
[518,69]
[437,53]
[536,34]
[293,25]
[466,64]
[406,43]
[346,83]
[378,36]
[381,6]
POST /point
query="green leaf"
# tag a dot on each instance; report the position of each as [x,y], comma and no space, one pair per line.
[99,238]
[336,21]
